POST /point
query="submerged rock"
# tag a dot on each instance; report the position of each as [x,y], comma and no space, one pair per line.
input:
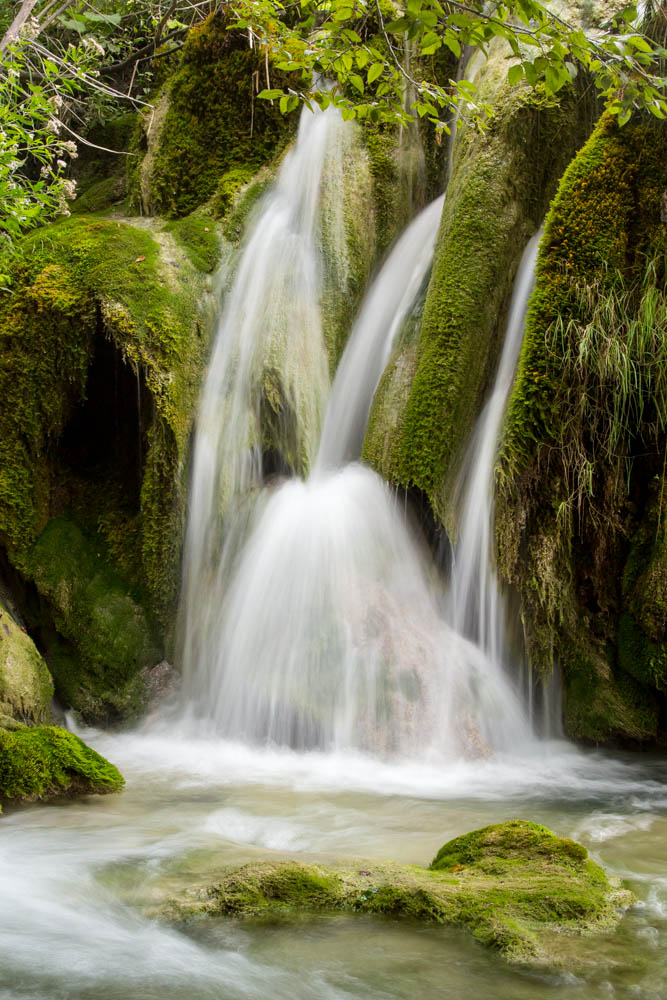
[517,886]
[47,761]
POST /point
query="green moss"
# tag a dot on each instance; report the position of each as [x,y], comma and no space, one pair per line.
[198,236]
[46,331]
[510,884]
[129,285]
[26,686]
[639,656]
[576,484]
[100,195]
[213,124]
[48,761]
[106,630]
[228,188]
[496,199]
[516,842]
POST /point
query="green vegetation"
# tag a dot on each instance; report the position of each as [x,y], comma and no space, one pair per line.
[428,399]
[580,491]
[47,761]
[512,885]
[214,131]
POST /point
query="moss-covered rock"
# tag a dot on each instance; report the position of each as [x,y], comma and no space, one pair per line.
[501,183]
[578,516]
[102,639]
[512,885]
[26,686]
[103,343]
[47,761]
[210,124]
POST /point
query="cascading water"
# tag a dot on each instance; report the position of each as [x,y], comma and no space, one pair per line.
[322,629]
[269,341]
[382,314]
[474,603]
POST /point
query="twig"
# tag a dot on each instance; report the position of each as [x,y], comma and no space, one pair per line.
[12,32]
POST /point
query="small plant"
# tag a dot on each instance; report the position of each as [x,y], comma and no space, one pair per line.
[613,355]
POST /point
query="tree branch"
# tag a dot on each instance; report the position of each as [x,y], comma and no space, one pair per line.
[12,32]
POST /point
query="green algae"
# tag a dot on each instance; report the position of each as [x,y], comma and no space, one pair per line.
[512,885]
[48,761]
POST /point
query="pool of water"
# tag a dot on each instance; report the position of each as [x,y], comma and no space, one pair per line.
[79,880]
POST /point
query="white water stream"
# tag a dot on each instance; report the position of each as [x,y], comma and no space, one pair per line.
[475,607]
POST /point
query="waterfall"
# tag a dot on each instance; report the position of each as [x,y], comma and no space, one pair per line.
[475,607]
[382,315]
[269,353]
[317,622]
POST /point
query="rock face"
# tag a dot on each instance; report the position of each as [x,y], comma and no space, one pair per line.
[515,885]
[47,762]
[580,519]
[26,686]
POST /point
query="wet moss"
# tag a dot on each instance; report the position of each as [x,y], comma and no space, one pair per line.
[214,123]
[577,520]
[510,884]
[47,761]
[496,199]
[125,284]
[108,639]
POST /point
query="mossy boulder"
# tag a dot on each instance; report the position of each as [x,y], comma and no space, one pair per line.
[502,179]
[47,762]
[103,343]
[26,686]
[515,885]
[209,125]
[101,639]
[579,522]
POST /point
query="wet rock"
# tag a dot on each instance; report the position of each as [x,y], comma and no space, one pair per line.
[519,888]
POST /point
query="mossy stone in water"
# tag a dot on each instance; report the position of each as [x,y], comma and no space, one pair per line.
[48,761]
[512,884]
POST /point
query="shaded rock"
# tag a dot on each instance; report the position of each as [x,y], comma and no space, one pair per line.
[26,686]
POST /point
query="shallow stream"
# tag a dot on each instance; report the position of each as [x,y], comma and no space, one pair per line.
[78,879]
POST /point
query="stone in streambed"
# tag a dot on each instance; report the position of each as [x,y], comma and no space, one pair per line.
[518,887]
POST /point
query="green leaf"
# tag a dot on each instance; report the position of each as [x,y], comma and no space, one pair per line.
[357,82]
[514,74]
[374,72]
[639,43]
[270,95]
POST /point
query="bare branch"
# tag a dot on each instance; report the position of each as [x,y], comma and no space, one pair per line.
[12,32]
